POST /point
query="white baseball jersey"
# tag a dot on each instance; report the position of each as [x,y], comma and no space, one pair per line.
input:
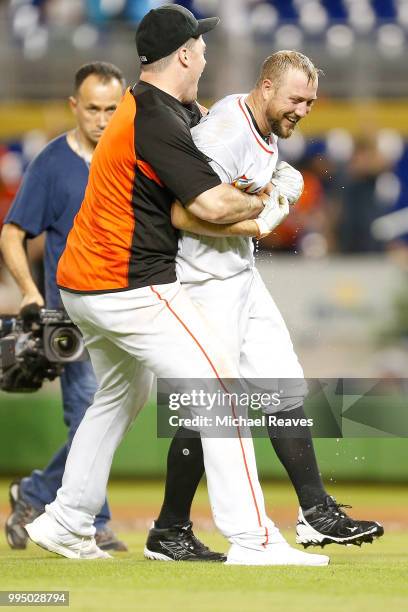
[241,157]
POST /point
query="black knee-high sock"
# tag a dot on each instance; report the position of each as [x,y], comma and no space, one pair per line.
[298,457]
[185,468]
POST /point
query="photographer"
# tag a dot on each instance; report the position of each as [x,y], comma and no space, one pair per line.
[48,200]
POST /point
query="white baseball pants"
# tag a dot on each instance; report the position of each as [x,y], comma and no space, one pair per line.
[254,334]
[129,335]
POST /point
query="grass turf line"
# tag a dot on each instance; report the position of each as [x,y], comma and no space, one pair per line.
[372,577]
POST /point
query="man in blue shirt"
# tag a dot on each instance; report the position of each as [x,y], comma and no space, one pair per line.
[48,200]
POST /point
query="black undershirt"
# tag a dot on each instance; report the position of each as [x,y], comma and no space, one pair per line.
[265,138]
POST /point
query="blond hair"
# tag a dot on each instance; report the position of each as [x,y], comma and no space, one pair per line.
[276,66]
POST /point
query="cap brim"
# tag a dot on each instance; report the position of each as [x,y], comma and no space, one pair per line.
[205,25]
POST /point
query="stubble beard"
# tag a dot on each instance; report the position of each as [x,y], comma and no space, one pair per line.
[278,130]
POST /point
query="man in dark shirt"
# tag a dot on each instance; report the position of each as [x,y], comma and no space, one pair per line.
[48,200]
[118,283]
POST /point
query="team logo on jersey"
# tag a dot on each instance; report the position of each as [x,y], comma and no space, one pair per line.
[243,183]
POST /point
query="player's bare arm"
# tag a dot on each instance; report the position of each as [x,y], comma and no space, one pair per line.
[12,247]
[276,209]
[225,204]
[183,219]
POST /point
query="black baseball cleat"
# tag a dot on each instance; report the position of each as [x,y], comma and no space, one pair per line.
[22,512]
[106,540]
[178,543]
[326,523]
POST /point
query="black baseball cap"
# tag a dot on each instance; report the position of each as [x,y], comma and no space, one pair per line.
[165,29]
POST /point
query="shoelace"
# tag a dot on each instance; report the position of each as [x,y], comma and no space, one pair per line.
[334,507]
[190,537]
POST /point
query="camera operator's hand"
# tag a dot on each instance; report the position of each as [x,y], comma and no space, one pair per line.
[12,248]
[33,297]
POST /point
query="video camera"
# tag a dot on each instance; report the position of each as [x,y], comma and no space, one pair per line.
[34,346]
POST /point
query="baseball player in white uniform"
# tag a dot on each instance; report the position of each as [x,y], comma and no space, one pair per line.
[216,266]
[219,273]
[121,290]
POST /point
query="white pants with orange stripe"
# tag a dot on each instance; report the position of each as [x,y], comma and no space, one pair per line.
[129,335]
[247,321]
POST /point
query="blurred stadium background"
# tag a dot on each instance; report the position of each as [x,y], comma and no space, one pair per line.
[339,277]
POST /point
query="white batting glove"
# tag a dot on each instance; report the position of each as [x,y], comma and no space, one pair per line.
[275,211]
[288,180]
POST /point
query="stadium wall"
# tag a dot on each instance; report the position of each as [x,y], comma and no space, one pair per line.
[31,429]
[356,116]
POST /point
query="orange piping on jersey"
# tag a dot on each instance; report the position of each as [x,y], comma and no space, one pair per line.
[253,131]
[214,369]
[148,171]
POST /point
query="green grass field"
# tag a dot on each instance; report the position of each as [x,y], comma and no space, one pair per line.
[373,577]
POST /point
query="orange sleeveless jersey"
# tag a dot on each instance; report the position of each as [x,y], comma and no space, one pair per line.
[89,259]
[122,237]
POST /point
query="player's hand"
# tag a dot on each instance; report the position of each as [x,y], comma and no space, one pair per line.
[275,211]
[289,181]
[268,188]
[33,297]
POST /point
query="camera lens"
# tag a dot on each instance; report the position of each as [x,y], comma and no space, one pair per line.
[66,343]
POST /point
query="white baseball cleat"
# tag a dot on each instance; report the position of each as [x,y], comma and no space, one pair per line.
[274,554]
[49,534]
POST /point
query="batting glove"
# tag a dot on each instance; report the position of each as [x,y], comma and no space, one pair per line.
[275,211]
[289,181]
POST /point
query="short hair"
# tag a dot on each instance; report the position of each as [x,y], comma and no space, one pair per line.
[103,70]
[164,62]
[276,65]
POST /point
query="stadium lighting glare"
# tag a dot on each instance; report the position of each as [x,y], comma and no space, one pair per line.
[35,45]
[64,13]
[390,144]
[112,7]
[85,36]
[293,148]
[340,40]
[288,37]
[313,17]
[391,40]
[362,17]
[11,168]
[402,13]
[314,245]
[264,18]
[25,20]
[387,188]
[339,144]
[33,143]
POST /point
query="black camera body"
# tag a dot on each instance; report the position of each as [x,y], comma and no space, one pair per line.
[34,346]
